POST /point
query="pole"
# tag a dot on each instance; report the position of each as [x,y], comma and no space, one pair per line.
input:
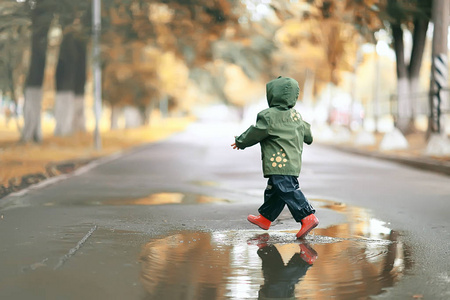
[439,67]
[376,90]
[97,74]
[353,87]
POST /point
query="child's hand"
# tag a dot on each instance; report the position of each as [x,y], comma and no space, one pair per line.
[235,147]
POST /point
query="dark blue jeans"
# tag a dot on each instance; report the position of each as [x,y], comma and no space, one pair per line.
[284,190]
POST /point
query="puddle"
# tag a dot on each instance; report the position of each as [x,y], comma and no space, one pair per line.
[352,260]
[155,199]
[205,183]
[166,198]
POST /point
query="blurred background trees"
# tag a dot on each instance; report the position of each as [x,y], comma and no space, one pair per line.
[169,56]
[14,52]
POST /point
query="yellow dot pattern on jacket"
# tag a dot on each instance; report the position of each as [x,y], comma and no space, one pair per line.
[295,115]
[278,159]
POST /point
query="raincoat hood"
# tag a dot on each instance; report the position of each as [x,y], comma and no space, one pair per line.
[282,92]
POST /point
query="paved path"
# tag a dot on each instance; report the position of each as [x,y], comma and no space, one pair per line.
[81,237]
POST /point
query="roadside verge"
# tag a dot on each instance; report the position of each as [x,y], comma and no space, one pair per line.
[419,162]
[25,165]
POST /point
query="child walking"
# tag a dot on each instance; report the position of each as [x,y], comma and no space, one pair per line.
[281,132]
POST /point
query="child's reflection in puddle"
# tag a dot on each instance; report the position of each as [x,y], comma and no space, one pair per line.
[280,278]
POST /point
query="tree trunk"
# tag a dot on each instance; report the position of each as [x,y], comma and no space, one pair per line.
[65,79]
[64,111]
[404,117]
[13,96]
[416,93]
[308,88]
[79,120]
[116,111]
[419,40]
[32,130]
[33,89]
[133,117]
[148,112]
[408,76]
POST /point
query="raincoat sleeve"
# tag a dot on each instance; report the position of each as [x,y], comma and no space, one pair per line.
[255,133]
[308,139]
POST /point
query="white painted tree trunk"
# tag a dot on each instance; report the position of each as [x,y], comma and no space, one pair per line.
[404,105]
[148,113]
[308,88]
[445,105]
[133,117]
[414,86]
[64,112]
[116,111]
[32,115]
[79,117]
[394,140]
[438,145]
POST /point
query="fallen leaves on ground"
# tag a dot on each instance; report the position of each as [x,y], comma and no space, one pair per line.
[25,164]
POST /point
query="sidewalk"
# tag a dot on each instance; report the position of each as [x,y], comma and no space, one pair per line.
[413,156]
[22,165]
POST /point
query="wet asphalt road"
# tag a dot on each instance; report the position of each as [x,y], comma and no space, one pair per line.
[83,237]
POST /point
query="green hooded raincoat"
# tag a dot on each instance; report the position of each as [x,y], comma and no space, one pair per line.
[279,129]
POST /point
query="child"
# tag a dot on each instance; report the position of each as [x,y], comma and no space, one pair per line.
[281,131]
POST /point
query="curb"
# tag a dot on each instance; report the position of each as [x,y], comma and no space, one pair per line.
[422,163]
[40,180]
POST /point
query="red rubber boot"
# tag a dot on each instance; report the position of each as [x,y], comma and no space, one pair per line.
[308,223]
[308,254]
[260,221]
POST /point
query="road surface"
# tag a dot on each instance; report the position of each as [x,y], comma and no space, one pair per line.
[168,220]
